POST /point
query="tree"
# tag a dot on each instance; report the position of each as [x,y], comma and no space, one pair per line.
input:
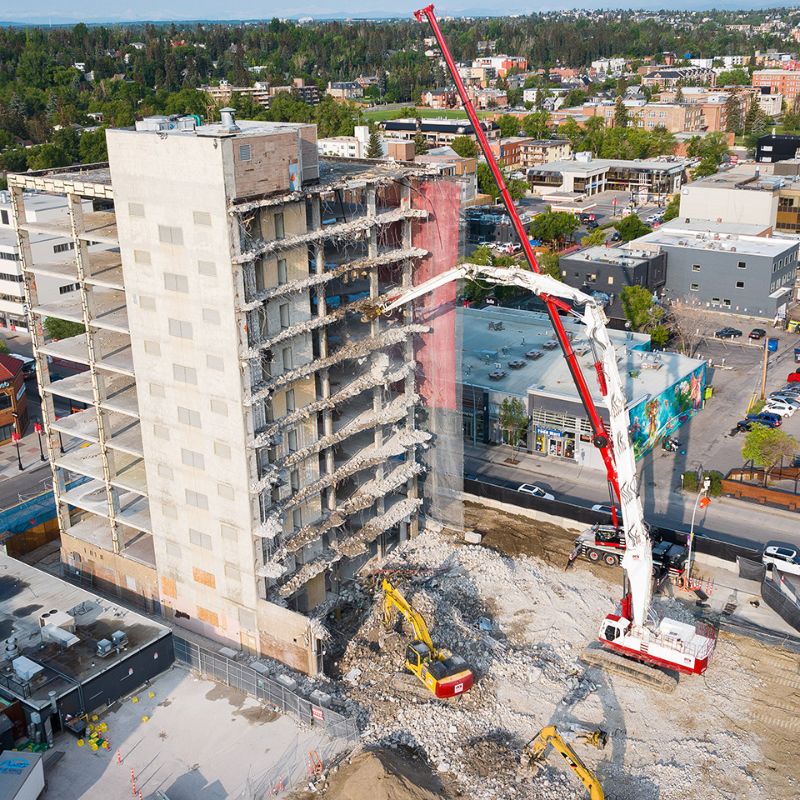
[639,308]
[3,347]
[679,94]
[420,145]
[537,125]
[734,77]
[509,125]
[673,208]
[487,184]
[687,323]
[595,237]
[61,328]
[707,166]
[765,447]
[733,114]
[620,114]
[465,146]
[92,146]
[553,227]
[374,149]
[514,420]
[631,227]
[549,264]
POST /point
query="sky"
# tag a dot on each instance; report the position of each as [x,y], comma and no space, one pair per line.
[70,11]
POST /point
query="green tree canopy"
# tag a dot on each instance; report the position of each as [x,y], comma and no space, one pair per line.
[765,447]
[553,227]
[374,149]
[62,328]
[487,184]
[631,227]
[465,146]
[549,264]
[734,77]
[513,420]
[596,237]
[673,208]
[509,125]
[537,125]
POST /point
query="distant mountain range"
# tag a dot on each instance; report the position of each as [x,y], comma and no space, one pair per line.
[130,17]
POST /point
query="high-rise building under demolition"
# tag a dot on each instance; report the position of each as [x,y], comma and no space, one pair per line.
[250,436]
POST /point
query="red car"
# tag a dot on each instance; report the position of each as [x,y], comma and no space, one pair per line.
[793,377]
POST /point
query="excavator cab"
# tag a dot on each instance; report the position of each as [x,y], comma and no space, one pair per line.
[417,654]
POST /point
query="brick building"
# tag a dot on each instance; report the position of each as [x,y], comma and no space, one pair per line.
[13,398]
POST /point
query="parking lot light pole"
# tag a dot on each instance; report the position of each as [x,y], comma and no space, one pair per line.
[702,501]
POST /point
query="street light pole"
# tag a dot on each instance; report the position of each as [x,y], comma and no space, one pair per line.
[38,428]
[702,501]
[15,437]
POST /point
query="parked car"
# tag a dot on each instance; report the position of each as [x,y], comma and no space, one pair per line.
[728,333]
[536,491]
[744,425]
[784,556]
[605,509]
[757,333]
[779,407]
[785,397]
[793,377]
[766,418]
[591,224]
[616,237]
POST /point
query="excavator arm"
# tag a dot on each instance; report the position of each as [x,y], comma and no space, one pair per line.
[549,736]
[393,598]
[638,559]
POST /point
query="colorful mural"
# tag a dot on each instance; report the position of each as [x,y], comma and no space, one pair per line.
[659,416]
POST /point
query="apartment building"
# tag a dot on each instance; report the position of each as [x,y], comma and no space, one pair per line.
[354,146]
[55,249]
[501,64]
[262,92]
[675,117]
[521,152]
[669,77]
[779,81]
[345,90]
[437,132]
[250,439]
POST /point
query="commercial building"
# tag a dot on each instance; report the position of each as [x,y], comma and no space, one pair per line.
[501,64]
[13,398]
[67,653]
[262,92]
[670,77]
[779,81]
[662,390]
[675,117]
[741,274]
[586,176]
[777,147]
[354,146]
[345,90]
[251,437]
[47,247]
[521,152]
[606,271]
[437,132]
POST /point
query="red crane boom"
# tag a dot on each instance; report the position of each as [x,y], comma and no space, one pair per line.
[600,439]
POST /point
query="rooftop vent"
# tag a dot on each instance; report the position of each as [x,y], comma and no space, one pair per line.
[228,119]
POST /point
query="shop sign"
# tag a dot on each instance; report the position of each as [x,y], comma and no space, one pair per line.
[548,432]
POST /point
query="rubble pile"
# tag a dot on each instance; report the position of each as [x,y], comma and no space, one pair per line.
[521,626]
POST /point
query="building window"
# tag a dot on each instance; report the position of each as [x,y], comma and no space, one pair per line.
[9,256]
[297,519]
[136,209]
[168,234]
[211,316]
[62,248]
[219,407]
[225,490]
[740,284]
[200,539]
[196,499]
[186,416]
[181,329]
[70,287]
[222,450]
[201,218]
[291,438]
[742,265]
[215,363]
[147,303]
[192,459]
[152,348]
[141,256]
[282,274]
[695,287]
[294,479]
[283,311]
[184,374]
[610,280]
[279,229]
[207,268]
[287,358]
[245,152]
[290,400]
[7,276]
[4,216]
[695,268]
[176,283]
[715,301]
[726,302]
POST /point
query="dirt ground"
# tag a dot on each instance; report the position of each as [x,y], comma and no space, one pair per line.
[380,775]
[730,733]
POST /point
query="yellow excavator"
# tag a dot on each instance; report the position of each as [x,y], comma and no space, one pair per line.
[442,673]
[535,752]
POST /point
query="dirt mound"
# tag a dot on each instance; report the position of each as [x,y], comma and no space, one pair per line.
[383,775]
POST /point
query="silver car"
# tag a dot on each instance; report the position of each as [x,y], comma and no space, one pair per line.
[784,556]
[536,491]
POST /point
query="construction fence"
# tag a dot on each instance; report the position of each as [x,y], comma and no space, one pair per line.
[246,679]
[784,605]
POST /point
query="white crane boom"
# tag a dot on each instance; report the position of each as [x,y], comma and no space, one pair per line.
[638,559]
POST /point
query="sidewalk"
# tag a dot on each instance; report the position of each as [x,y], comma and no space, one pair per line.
[29,453]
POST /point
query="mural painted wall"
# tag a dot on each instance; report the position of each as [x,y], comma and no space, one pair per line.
[659,416]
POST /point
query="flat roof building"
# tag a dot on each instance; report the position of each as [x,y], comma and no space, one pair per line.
[662,389]
[436,132]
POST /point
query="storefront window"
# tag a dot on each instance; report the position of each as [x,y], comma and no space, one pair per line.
[5,401]
[5,432]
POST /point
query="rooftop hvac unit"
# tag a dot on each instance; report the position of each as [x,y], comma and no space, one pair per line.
[25,669]
[58,619]
[59,636]
[104,648]
[120,639]
[10,650]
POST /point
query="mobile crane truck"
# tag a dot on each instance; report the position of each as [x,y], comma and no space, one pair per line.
[632,637]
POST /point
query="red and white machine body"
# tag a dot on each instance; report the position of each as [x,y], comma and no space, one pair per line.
[669,644]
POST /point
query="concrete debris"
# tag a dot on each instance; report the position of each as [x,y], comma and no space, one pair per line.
[354,350]
[357,544]
[378,375]
[309,570]
[271,569]
[390,257]
[521,626]
[337,231]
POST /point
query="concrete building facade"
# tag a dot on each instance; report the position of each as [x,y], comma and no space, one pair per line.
[748,275]
[249,443]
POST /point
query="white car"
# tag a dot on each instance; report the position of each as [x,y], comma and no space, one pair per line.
[779,407]
[782,397]
[785,557]
[536,491]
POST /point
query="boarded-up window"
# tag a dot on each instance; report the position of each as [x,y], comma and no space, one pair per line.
[168,587]
[206,578]
[207,616]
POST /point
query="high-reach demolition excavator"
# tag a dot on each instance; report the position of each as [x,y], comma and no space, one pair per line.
[633,636]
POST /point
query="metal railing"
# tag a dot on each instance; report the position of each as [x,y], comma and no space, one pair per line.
[246,679]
